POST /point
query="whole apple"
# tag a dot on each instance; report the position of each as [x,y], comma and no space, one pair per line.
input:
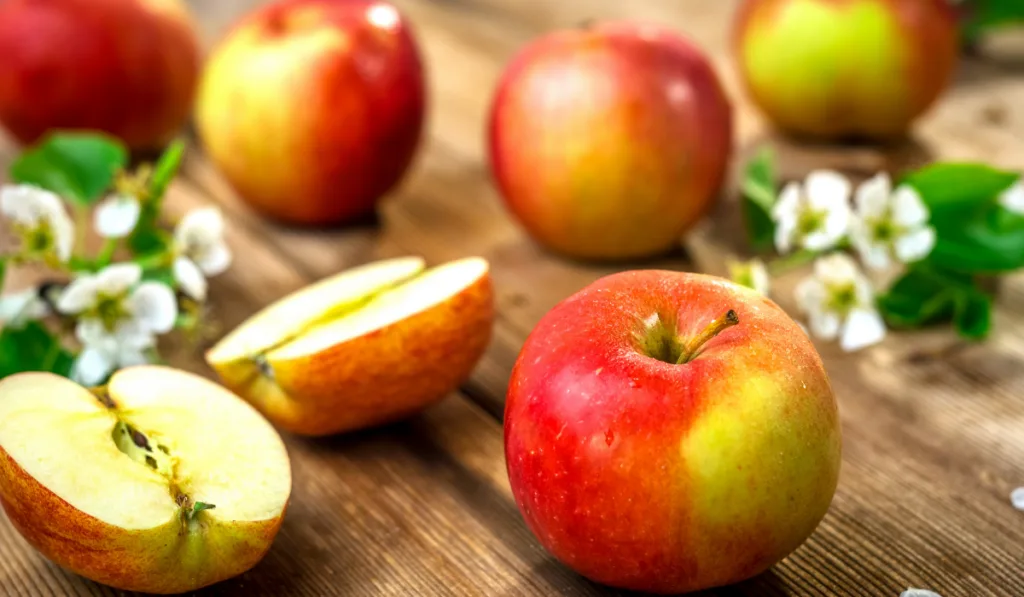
[609,141]
[839,69]
[313,109]
[126,67]
[669,432]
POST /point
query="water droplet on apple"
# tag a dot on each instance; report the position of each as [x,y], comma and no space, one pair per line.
[633,384]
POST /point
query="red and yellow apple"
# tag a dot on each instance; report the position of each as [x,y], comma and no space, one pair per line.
[313,109]
[160,482]
[838,69]
[126,67]
[670,432]
[365,347]
[609,141]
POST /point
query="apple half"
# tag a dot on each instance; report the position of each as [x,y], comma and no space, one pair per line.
[365,347]
[160,482]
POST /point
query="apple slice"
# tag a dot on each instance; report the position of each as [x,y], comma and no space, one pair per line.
[161,482]
[380,344]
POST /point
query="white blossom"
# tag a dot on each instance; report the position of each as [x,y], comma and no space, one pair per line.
[815,216]
[919,593]
[202,252]
[17,308]
[1012,199]
[840,303]
[890,225]
[116,216]
[118,318]
[1017,498]
[752,274]
[40,220]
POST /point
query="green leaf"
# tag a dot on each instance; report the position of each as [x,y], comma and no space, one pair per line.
[31,347]
[759,194]
[165,170]
[950,188]
[148,238]
[3,272]
[983,15]
[77,166]
[926,295]
[164,275]
[973,317]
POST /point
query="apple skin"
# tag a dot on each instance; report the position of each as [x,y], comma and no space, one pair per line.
[797,60]
[313,109]
[376,378]
[609,142]
[666,478]
[126,67]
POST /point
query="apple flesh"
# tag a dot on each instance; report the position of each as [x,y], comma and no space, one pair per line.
[366,347]
[313,109]
[670,432]
[609,142]
[161,482]
[126,67]
[846,69]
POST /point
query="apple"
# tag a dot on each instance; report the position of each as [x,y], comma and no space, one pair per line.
[670,432]
[126,67]
[365,347]
[609,141]
[313,109]
[160,482]
[846,69]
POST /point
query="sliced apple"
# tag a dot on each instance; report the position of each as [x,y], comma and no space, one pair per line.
[161,482]
[363,348]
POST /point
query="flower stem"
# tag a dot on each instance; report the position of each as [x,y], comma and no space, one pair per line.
[156,260]
[106,253]
[81,227]
[791,262]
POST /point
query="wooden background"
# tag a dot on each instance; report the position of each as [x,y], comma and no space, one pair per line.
[934,429]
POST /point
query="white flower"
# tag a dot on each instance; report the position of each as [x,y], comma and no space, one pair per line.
[1012,199]
[919,593]
[815,216]
[840,303]
[16,309]
[752,274]
[116,216]
[40,220]
[1017,498]
[890,224]
[118,317]
[199,241]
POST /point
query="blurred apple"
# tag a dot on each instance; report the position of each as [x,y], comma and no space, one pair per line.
[609,141]
[313,109]
[838,69]
[127,67]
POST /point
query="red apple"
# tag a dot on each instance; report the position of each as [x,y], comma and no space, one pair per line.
[313,109]
[126,67]
[609,141]
[670,432]
[836,69]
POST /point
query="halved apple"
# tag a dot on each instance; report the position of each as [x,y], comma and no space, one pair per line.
[161,482]
[365,347]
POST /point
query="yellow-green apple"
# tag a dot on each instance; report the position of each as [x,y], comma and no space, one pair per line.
[313,109]
[846,69]
[609,141]
[160,481]
[127,67]
[670,432]
[366,347]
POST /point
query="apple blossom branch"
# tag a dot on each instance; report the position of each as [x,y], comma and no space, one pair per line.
[98,313]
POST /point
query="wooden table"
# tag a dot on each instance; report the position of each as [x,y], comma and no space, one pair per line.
[934,430]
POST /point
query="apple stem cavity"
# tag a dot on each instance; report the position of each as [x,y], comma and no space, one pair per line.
[101,394]
[692,348]
[263,365]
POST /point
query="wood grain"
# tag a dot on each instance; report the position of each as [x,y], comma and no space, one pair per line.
[933,429]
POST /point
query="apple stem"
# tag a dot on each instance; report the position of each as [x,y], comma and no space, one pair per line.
[103,395]
[717,326]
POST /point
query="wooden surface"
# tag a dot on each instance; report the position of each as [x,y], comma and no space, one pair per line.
[934,430]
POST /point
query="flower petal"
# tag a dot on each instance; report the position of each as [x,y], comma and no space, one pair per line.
[759,278]
[214,260]
[154,307]
[788,203]
[825,325]
[129,356]
[862,328]
[133,334]
[28,204]
[200,227]
[874,255]
[872,196]
[17,308]
[1012,199]
[79,295]
[118,278]
[92,366]
[908,209]
[827,189]
[90,332]
[63,235]
[915,245]
[190,279]
[809,294]
[1017,498]
[117,216]
[836,268]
